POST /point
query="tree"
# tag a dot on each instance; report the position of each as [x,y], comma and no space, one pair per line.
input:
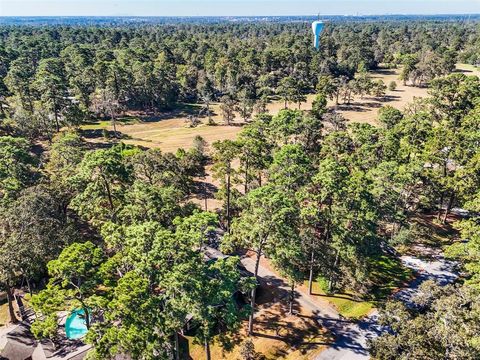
[319,106]
[103,102]
[286,126]
[267,219]
[227,107]
[102,179]
[289,90]
[290,168]
[74,278]
[409,61]
[389,116]
[326,85]
[18,82]
[453,97]
[166,85]
[144,202]
[444,327]
[261,105]
[256,153]
[78,63]
[379,89]
[245,107]
[215,303]
[32,231]
[225,152]
[16,166]
[319,201]
[336,121]
[392,86]
[51,83]
[200,226]
[177,170]
[248,350]
[289,258]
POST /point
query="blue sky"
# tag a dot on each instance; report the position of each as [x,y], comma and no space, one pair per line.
[232,7]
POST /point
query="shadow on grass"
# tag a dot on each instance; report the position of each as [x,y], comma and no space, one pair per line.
[339,296]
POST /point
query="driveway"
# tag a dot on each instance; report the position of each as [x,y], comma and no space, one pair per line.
[351,337]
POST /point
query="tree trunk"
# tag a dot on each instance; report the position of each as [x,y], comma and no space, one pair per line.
[246,177]
[449,207]
[109,194]
[114,122]
[440,205]
[254,292]
[228,202]
[331,283]
[207,350]
[29,286]
[208,113]
[205,195]
[11,310]
[87,316]
[310,277]
[292,298]
[57,125]
[177,347]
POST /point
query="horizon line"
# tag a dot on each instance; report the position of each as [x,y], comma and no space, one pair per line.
[238,16]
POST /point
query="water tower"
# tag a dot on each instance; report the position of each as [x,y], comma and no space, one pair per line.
[317,27]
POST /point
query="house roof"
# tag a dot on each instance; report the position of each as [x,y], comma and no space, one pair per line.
[20,343]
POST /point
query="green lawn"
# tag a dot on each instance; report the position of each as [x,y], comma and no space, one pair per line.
[104,124]
[387,274]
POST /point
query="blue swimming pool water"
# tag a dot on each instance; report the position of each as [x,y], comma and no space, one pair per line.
[75,326]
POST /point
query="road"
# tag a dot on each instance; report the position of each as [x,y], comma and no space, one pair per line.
[351,337]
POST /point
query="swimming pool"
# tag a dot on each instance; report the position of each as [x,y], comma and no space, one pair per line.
[75,326]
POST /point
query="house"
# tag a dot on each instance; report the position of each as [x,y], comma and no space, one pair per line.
[18,343]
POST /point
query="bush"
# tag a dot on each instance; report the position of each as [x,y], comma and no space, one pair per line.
[323,284]
[392,86]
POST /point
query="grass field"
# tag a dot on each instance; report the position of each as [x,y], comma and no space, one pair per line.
[170,131]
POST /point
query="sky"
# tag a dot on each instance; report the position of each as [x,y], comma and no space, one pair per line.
[232,7]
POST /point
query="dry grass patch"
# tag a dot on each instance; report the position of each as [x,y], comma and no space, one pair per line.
[4,315]
[277,336]
[170,131]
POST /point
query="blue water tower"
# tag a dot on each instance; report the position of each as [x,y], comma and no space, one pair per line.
[317,27]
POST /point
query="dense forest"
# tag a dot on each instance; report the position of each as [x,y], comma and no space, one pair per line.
[114,231]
